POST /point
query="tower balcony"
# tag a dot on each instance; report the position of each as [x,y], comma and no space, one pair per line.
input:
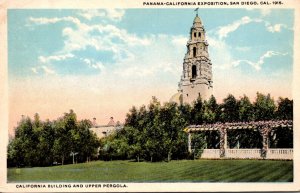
[195,41]
[192,79]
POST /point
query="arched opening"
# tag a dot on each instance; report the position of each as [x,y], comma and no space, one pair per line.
[199,35]
[194,51]
[194,71]
[195,34]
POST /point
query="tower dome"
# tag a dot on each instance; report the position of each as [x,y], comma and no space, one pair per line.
[176,98]
[197,21]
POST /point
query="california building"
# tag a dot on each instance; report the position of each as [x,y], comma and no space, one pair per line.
[105,130]
[196,78]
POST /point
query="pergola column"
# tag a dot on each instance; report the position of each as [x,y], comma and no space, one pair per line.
[223,141]
[189,142]
[264,132]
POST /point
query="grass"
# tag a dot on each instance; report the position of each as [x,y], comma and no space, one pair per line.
[174,171]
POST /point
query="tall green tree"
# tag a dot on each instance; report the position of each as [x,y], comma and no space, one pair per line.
[135,140]
[197,112]
[172,123]
[245,109]
[46,137]
[132,117]
[285,109]
[25,143]
[264,107]
[211,113]
[87,142]
[229,109]
[186,112]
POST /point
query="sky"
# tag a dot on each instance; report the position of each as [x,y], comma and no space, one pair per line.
[102,62]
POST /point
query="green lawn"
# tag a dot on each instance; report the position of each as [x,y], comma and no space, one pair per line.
[174,171]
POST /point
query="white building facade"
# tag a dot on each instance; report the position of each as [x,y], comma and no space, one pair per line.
[104,130]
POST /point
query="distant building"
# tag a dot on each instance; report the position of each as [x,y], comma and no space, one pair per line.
[105,130]
[196,79]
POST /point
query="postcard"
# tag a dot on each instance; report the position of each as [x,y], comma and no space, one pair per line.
[149,96]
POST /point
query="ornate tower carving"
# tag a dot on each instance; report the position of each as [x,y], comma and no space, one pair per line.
[196,79]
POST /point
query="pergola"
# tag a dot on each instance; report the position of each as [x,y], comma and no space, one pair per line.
[264,128]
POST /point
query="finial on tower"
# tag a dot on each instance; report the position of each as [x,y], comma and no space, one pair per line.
[196,10]
[197,20]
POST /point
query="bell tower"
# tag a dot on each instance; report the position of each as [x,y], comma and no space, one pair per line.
[196,79]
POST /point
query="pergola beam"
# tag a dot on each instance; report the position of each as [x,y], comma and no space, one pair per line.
[239,125]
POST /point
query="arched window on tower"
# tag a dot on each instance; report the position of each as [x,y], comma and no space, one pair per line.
[194,51]
[194,71]
[195,34]
[199,35]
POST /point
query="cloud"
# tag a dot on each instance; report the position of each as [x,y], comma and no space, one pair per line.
[44,20]
[139,55]
[42,69]
[95,65]
[275,28]
[144,63]
[102,37]
[223,57]
[150,60]
[98,65]
[34,70]
[225,30]
[48,59]
[133,57]
[91,13]
[47,70]
[220,50]
[257,65]
[111,14]
[98,35]
[179,40]
[115,14]
[265,12]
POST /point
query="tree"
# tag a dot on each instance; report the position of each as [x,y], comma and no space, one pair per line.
[264,107]
[186,112]
[285,109]
[135,142]
[155,132]
[25,143]
[155,135]
[67,136]
[245,109]
[198,144]
[45,133]
[11,154]
[38,143]
[229,109]
[132,117]
[211,112]
[172,124]
[197,112]
[86,141]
